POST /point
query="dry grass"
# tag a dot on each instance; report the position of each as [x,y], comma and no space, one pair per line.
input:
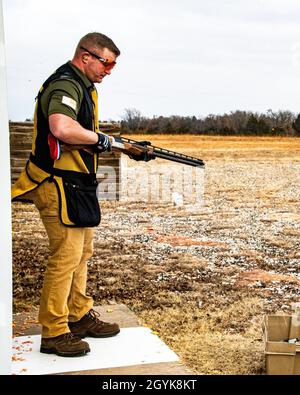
[202,280]
[226,148]
[213,343]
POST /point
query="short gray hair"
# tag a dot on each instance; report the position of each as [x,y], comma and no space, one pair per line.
[98,40]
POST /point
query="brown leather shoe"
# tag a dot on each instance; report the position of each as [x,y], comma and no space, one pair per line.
[66,345]
[90,325]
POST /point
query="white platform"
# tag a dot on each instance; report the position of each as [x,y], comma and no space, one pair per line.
[132,346]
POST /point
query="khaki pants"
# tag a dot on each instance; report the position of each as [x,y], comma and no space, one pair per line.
[63,296]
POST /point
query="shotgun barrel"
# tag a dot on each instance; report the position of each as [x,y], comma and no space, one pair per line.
[161,152]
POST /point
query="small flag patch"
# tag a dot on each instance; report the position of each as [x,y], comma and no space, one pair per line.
[69,102]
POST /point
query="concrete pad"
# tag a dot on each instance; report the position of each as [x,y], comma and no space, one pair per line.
[134,351]
[132,346]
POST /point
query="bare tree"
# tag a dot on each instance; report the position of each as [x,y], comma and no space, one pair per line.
[132,119]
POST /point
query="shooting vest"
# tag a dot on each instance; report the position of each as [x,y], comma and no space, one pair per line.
[74,173]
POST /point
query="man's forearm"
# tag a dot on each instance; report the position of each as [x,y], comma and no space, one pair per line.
[70,131]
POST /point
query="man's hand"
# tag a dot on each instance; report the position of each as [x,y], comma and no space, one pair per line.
[145,156]
[104,143]
[144,143]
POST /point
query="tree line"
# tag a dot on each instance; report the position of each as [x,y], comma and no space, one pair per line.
[280,123]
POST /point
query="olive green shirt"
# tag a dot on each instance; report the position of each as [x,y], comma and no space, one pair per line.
[64,96]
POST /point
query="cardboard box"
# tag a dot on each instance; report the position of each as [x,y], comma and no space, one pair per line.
[282,357]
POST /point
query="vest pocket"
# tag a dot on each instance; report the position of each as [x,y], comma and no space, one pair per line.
[82,203]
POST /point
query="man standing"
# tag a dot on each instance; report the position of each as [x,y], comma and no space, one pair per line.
[63,185]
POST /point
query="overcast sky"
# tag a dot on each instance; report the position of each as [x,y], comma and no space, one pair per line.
[182,57]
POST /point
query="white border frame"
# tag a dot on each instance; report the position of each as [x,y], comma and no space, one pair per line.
[5,215]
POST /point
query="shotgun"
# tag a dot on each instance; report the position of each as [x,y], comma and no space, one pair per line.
[130,147]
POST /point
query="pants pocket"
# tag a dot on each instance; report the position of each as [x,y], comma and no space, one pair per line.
[45,198]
